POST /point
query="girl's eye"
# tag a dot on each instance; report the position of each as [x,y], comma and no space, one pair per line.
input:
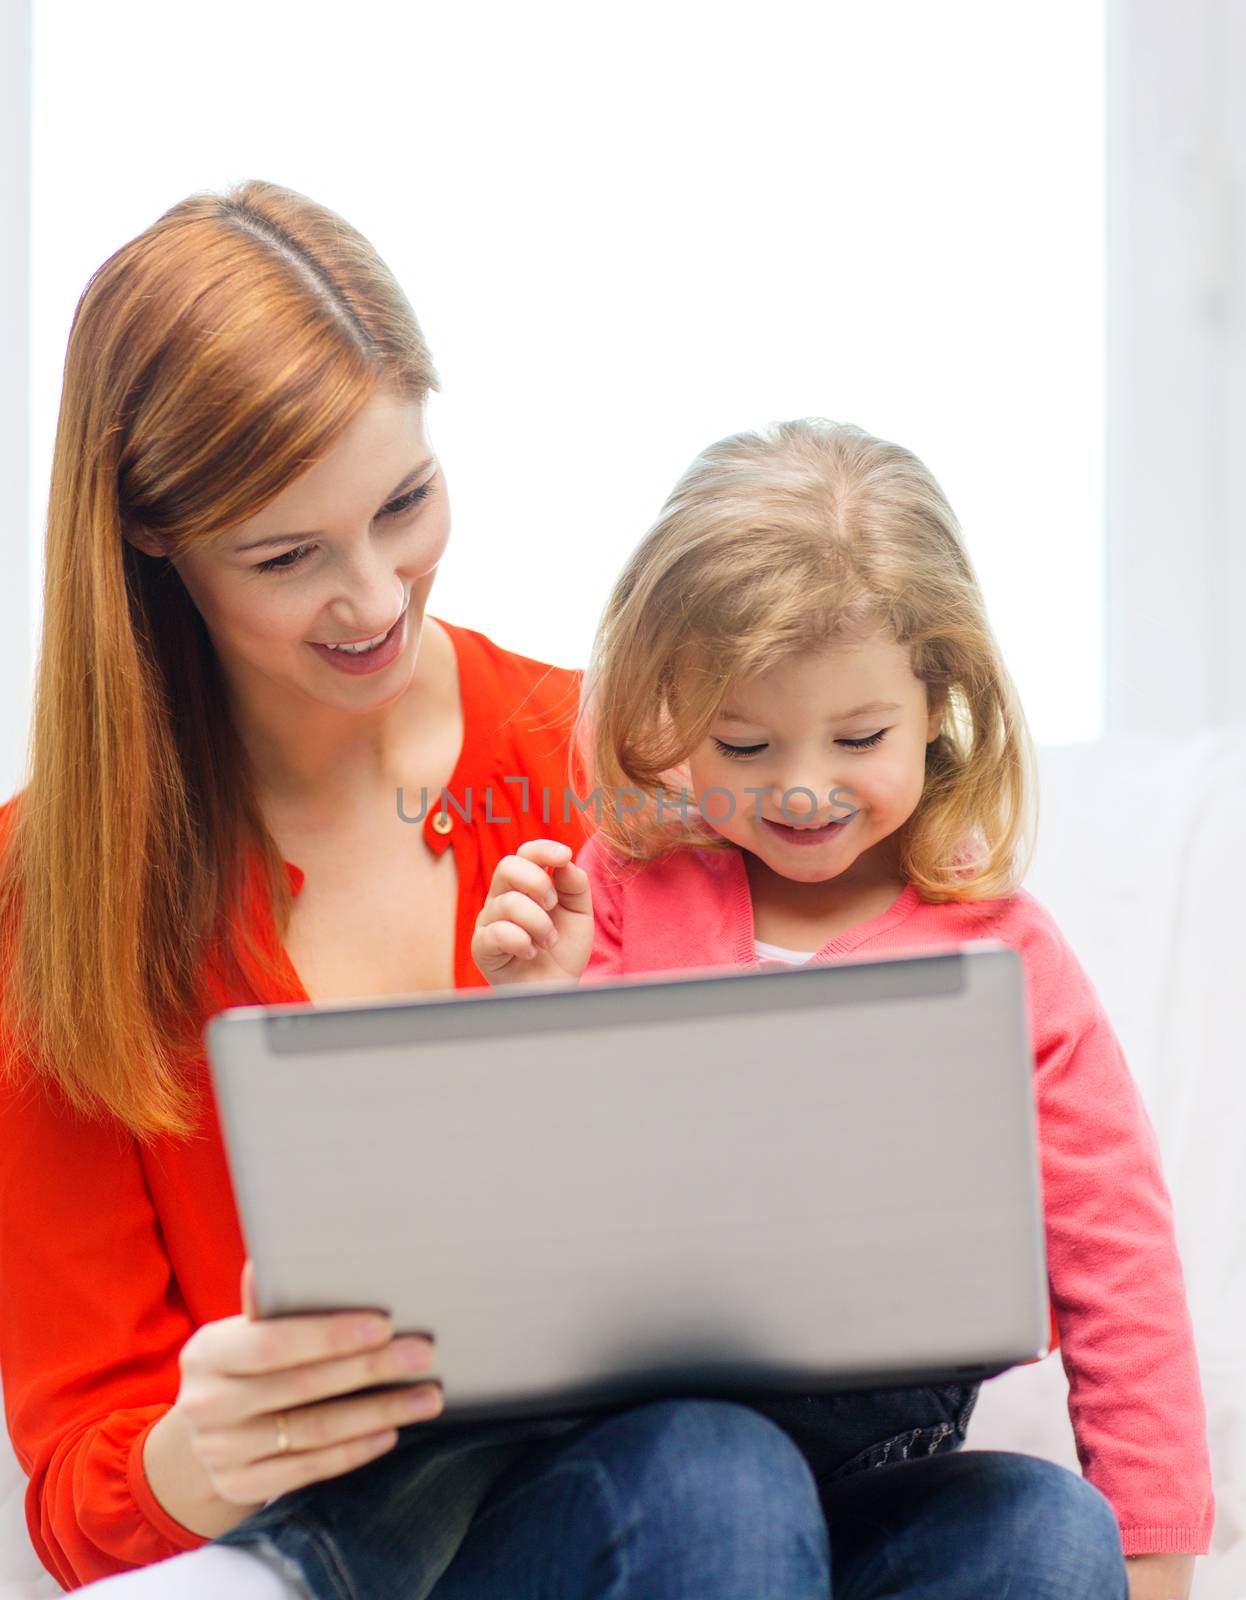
[745,750]
[283,562]
[395,508]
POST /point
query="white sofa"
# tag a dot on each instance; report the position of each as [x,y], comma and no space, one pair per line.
[1142,860]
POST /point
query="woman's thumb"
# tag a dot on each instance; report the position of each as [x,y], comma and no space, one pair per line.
[248,1292]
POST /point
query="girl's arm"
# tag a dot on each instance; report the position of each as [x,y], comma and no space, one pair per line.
[1158,1577]
[1126,1340]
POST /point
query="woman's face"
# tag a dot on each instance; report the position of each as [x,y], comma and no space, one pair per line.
[819,785]
[344,555]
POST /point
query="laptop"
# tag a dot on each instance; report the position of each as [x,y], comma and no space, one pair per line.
[794,1180]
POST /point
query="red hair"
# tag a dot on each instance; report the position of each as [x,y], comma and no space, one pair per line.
[211,360]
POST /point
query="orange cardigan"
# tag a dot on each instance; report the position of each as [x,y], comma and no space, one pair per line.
[112,1254]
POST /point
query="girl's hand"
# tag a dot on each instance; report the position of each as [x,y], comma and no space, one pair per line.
[534,929]
[1159,1577]
[266,1406]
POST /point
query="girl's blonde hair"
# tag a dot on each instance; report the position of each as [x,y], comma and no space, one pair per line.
[798,537]
[211,360]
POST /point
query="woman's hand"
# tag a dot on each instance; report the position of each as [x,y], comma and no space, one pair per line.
[534,928]
[268,1405]
[1159,1577]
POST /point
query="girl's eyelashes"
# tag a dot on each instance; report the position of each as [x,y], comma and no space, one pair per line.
[395,508]
[743,751]
[734,750]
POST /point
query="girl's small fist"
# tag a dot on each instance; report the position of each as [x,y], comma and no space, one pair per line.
[536,925]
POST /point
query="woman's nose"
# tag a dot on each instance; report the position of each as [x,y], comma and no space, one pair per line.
[370,595]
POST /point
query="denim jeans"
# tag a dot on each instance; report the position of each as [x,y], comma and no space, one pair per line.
[702,1499]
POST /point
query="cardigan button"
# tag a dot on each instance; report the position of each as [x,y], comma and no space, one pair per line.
[441,822]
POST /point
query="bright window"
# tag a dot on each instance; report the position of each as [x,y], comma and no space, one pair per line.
[628,231]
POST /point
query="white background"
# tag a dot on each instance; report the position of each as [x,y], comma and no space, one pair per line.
[627,232]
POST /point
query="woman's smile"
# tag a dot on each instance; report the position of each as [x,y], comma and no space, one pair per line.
[372,655]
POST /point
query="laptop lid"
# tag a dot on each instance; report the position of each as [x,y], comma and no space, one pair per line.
[823,1177]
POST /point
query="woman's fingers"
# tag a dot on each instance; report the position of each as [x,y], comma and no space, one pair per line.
[215,1396]
[272,1404]
[256,1483]
[325,1380]
[240,1347]
[299,1430]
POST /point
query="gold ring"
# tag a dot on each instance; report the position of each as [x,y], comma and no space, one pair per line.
[283,1433]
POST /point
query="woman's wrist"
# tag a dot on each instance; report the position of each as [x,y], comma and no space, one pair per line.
[181,1486]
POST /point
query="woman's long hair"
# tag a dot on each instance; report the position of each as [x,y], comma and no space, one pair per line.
[211,360]
[775,543]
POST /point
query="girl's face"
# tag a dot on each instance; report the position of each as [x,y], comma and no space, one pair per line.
[824,759]
[345,554]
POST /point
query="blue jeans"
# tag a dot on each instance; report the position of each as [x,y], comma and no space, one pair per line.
[703,1500]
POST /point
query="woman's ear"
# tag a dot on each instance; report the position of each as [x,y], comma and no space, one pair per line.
[149,543]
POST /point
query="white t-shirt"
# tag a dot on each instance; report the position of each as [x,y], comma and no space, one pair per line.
[777,952]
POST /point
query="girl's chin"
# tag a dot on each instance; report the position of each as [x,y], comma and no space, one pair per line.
[800,872]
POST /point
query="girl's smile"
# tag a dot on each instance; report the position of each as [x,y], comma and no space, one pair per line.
[807,834]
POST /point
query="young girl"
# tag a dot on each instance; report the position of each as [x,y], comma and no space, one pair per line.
[806,745]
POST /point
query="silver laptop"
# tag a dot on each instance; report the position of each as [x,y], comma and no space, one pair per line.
[804,1179]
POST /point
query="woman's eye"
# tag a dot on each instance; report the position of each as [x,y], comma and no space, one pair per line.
[404,502]
[283,562]
[395,508]
[737,749]
[864,744]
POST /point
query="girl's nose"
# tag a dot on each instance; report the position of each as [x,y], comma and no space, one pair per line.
[801,796]
[798,798]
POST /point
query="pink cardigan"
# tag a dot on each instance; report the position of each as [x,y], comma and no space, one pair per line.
[1115,1279]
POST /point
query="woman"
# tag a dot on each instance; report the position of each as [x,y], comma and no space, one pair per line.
[241,704]
[229,761]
